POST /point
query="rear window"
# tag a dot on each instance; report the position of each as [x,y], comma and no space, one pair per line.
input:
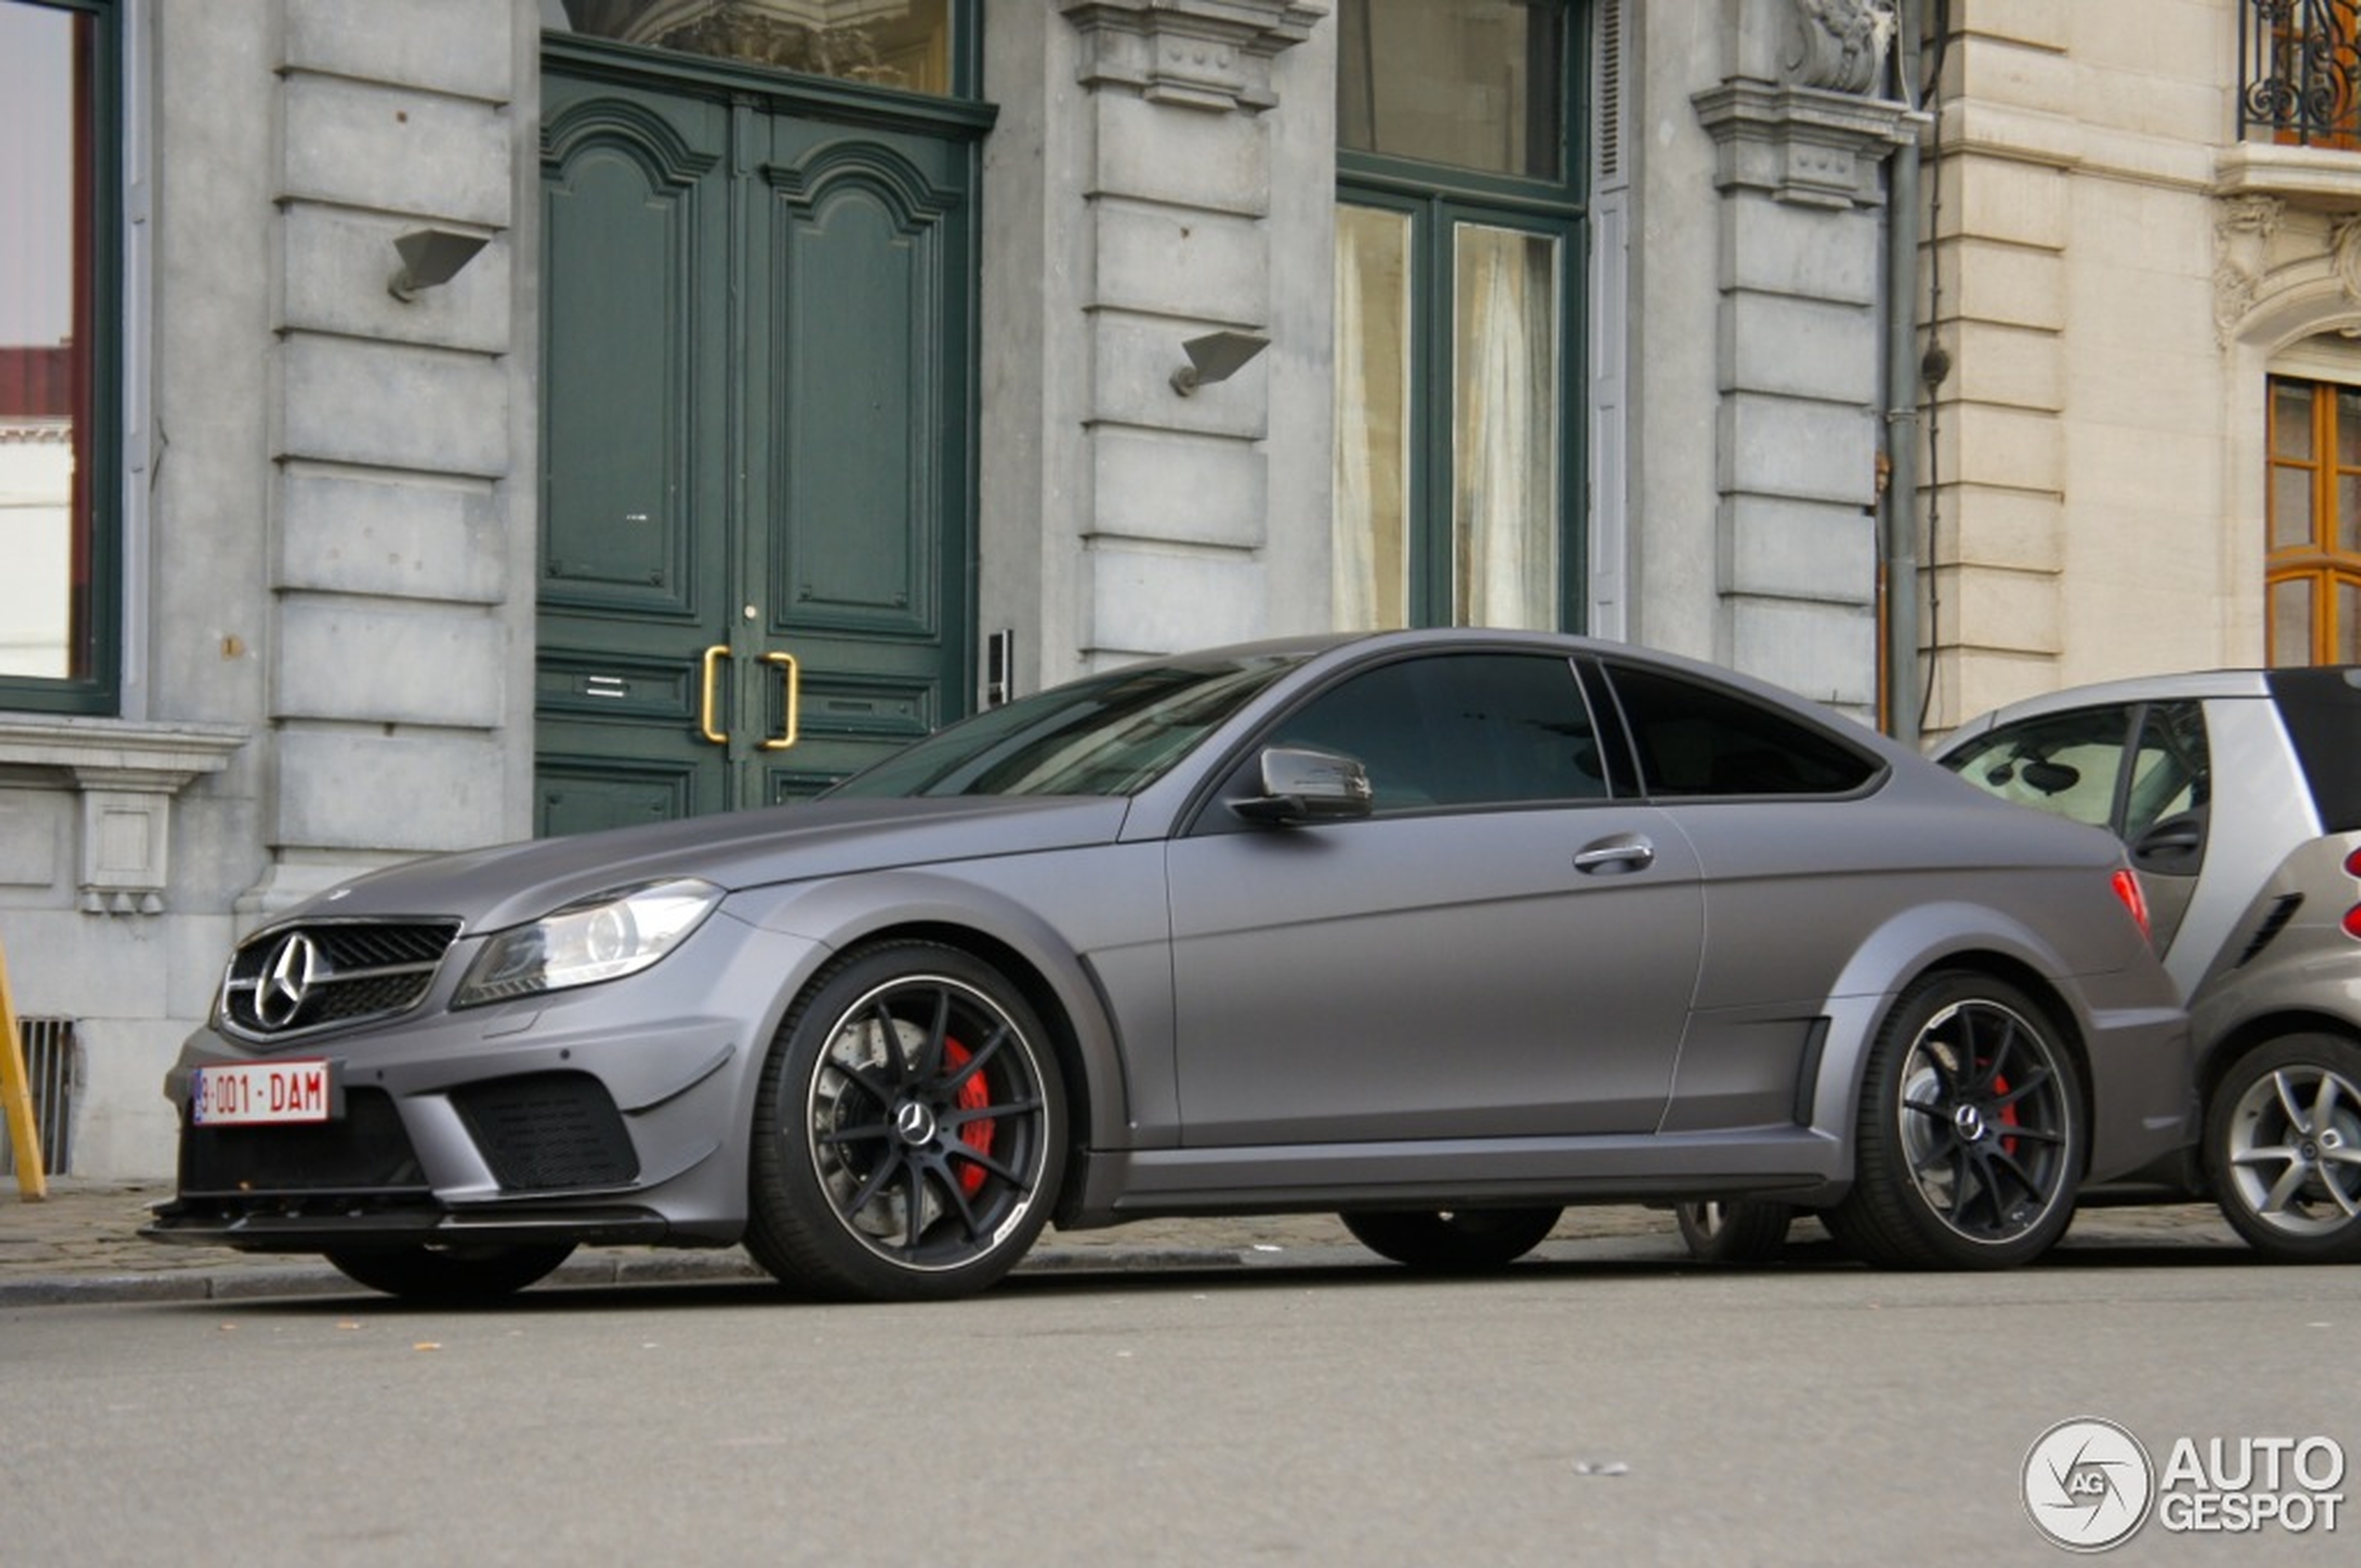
[1695,740]
[2322,711]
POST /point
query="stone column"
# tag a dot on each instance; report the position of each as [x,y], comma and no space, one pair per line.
[399,607]
[1131,190]
[1797,149]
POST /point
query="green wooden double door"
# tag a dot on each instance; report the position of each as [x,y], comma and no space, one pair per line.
[756,491]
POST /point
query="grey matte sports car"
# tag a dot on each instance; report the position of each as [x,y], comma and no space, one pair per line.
[1440,930]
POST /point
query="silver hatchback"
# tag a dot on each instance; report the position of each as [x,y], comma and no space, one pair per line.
[2239,797]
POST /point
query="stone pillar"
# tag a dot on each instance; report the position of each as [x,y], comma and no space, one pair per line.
[1798,155]
[399,607]
[1130,191]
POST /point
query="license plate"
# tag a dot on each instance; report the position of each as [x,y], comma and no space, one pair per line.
[263,1093]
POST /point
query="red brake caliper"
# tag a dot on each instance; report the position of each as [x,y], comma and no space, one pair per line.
[975,1095]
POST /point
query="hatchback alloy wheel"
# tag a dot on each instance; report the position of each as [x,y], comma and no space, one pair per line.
[2284,1139]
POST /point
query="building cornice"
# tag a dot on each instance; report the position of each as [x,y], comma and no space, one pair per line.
[125,774]
[1213,55]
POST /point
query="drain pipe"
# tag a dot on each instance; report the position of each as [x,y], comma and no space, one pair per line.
[1901,520]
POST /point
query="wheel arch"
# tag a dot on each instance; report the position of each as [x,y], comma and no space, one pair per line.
[1912,950]
[2226,1049]
[1046,966]
[1048,1001]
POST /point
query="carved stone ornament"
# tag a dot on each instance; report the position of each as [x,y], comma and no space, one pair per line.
[1213,55]
[1838,45]
[2344,254]
[2242,230]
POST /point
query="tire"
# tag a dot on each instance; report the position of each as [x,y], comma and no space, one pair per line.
[909,1130]
[1738,1232]
[1467,1241]
[452,1276]
[1970,1142]
[2283,1142]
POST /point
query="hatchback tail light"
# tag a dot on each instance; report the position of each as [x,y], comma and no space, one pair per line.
[2135,899]
[2352,916]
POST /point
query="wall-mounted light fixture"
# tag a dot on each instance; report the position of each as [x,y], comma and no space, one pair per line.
[431,257]
[1215,357]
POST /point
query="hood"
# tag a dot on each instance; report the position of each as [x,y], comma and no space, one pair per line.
[492,889]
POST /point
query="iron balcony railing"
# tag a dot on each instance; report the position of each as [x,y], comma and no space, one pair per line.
[2299,68]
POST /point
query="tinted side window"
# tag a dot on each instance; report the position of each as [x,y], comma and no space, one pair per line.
[2322,711]
[2171,772]
[2066,764]
[1694,740]
[1458,729]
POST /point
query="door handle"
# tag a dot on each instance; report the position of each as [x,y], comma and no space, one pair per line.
[706,726]
[1630,852]
[794,679]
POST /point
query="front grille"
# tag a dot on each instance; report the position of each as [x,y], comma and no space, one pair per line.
[367,1152]
[549,1132]
[294,981]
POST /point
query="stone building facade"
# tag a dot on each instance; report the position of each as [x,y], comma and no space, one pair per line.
[375,570]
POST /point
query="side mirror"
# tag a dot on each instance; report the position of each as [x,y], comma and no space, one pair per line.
[1302,786]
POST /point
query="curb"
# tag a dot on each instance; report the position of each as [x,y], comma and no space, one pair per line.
[656,1268]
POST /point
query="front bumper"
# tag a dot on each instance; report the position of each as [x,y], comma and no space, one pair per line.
[613,1113]
[328,1224]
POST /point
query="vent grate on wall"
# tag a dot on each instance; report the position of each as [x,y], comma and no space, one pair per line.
[51,1066]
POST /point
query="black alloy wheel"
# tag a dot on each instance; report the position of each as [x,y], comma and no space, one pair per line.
[1971,1143]
[909,1130]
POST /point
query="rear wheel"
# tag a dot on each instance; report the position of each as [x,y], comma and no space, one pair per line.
[452,1276]
[1739,1231]
[1452,1240]
[1969,1144]
[907,1130]
[2283,1139]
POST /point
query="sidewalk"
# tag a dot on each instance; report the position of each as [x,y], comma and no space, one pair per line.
[81,1244]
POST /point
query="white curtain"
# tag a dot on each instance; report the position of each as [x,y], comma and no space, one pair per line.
[1504,429]
[1370,568]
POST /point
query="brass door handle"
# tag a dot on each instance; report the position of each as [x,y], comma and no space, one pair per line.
[712,662]
[786,738]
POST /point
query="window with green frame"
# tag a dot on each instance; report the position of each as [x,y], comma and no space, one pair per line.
[60,506]
[1460,244]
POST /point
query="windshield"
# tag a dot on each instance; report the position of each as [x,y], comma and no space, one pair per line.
[1107,734]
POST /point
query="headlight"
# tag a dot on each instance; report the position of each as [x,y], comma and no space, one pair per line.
[603,937]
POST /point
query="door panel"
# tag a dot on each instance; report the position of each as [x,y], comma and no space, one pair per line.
[756,498]
[855,467]
[1372,980]
[634,542]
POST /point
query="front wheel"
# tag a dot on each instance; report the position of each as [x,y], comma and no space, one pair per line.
[907,1131]
[1969,1140]
[1462,1241]
[2283,1141]
[453,1275]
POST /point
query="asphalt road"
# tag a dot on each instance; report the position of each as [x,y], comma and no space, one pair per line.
[1596,1404]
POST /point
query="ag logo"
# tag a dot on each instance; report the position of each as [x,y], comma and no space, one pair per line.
[2088,1483]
